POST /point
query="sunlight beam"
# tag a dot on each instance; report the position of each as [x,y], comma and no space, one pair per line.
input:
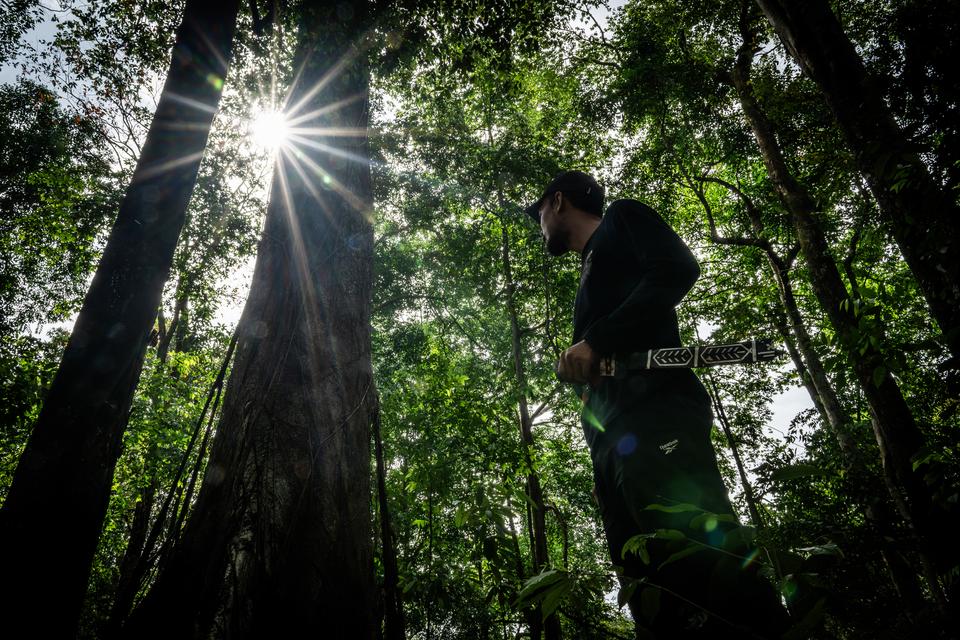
[333,106]
[163,167]
[330,132]
[327,178]
[324,81]
[191,102]
[334,151]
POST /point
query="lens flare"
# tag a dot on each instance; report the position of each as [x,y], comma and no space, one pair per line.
[270,130]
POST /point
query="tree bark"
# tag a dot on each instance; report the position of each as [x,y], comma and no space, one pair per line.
[780,322]
[279,543]
[924,219]
[896,432]
[70,457]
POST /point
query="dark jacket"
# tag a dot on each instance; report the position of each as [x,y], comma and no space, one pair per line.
[635,271]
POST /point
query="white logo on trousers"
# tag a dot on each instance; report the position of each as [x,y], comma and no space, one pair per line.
[668,447]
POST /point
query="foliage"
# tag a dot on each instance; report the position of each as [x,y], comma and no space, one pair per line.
[57,195]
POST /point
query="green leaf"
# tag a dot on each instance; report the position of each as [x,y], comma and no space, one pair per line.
[683,553]
[536,588]
[549,589]
[829,549]
[675,508]
[638,545]
[704,520]
[926,455]
[670,534]
[554,597]
[796,471]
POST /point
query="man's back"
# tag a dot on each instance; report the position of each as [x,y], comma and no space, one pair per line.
[635,270]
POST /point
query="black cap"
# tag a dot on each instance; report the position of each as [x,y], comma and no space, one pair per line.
[580,187]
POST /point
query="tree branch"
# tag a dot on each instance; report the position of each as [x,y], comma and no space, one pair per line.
[716,238]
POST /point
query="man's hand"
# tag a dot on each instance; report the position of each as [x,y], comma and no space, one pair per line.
[579,364]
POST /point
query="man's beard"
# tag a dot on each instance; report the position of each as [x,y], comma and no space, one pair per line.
[558,243]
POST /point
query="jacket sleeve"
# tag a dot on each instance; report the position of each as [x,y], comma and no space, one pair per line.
[667,271]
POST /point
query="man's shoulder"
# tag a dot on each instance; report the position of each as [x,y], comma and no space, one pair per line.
[636,222]
[629,210]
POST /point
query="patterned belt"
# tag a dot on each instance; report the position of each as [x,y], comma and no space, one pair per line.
[747,352]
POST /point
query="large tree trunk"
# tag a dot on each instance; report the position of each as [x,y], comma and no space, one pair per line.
[538,511]
[923,218]
[279,543]
[62,483]
[896,431]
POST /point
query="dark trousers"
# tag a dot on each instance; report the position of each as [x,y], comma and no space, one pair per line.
[658,452]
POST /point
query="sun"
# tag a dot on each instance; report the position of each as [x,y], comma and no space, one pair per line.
[270,130]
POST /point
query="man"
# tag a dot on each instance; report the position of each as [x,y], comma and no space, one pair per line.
[649,433]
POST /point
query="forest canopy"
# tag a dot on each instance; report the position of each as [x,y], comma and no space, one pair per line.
[278,343]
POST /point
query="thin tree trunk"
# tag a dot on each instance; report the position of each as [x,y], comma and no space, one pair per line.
[140,545]
[139,557]
[780,322]
[876,510]
[394,625]
[532,615]
[279,543]
[71,454]
[171,330]
[428,605]
[179,513]
[896,432]
[735,450]
[134,568]
[564,532]
[925,220]
[534,490]
[485,617]
[129,581]
[817,383]
[810,367]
